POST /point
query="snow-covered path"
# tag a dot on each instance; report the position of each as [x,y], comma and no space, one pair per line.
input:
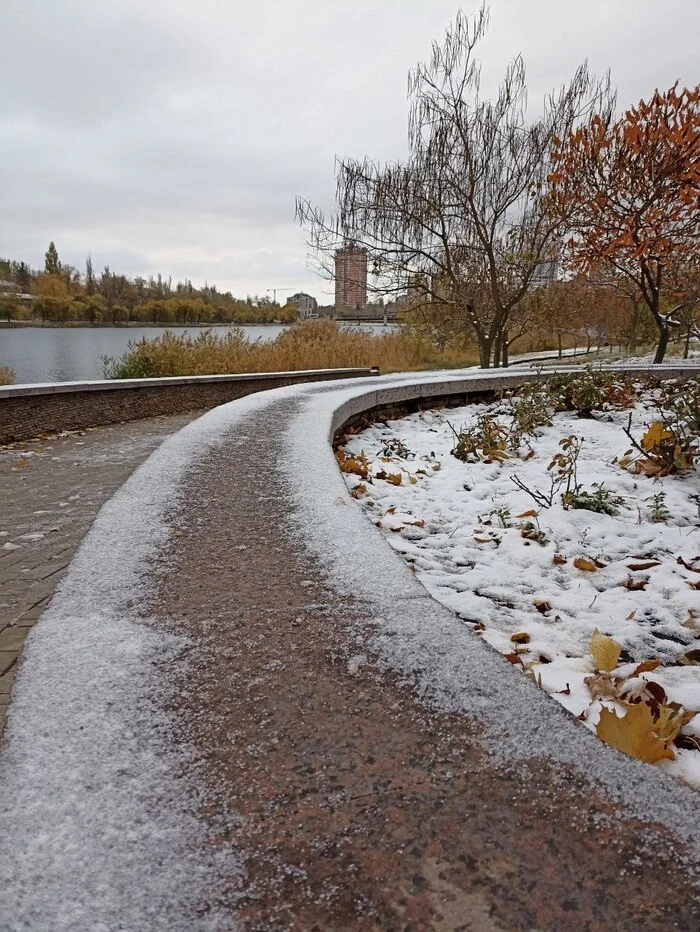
[226,641]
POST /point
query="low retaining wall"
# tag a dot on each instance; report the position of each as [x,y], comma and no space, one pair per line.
[396,401]
[30,411]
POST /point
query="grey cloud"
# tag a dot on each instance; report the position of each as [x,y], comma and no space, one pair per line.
[173,135]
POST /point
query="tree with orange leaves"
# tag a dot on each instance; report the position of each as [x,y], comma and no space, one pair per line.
[630,189]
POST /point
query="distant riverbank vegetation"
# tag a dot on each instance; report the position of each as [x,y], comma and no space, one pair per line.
[7,376]
[61,295]
[310,344]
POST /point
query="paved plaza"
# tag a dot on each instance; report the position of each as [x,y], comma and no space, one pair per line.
[50,492]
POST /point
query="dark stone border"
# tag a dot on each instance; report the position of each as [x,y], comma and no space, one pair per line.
[30,411]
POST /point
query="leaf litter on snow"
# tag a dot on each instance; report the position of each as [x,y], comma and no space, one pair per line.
[593,592]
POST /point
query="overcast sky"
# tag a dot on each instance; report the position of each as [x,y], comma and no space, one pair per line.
[173,135]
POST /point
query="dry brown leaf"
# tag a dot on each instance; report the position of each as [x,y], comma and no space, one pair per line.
[521,637]
[583,563]
[649,468]
[357,465]
[693,585]
[689,566]
[412,480]
[633,734]
[514,658]
[483,540]
[542,606]
[558,559]
[359,490]
[394,478]
[632,615]
[602,686]
[646,666]
[636,567]
[532,513]
[635,585]
[437,467]
[419,523]
[391,511]
[605,651]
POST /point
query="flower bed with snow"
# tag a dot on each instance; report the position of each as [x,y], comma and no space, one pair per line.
[563,524]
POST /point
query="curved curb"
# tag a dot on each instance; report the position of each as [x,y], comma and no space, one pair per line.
[423,641]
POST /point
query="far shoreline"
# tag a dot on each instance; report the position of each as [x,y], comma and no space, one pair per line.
[130,325]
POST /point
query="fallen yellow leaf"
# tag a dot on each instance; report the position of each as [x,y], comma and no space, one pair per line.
[583,563]
[671,718]
[605,651]
[633,734]
[654,435]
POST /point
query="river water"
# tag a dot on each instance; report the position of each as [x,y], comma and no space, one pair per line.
[71,354]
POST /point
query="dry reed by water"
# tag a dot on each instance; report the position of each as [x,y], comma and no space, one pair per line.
[313,344]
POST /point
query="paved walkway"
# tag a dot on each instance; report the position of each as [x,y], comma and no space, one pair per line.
[50,492]
[354,757]
[364,808]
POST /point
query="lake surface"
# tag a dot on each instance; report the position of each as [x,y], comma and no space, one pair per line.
[73,354]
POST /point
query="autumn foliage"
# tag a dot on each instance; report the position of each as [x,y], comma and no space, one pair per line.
[631,192]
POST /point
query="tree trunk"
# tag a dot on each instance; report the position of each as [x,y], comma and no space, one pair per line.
[561,351]
[662,345]
[504,353]
[635,324]
[485,352]
[497,353]
[686,350]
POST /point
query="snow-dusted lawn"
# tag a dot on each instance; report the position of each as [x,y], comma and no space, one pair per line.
[468,531]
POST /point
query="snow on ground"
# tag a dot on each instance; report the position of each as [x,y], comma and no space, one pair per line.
[457,524]
[99,826]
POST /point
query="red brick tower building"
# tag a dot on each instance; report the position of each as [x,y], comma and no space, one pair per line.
[351,278]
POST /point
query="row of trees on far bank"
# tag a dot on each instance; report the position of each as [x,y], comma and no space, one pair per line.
[61,294]
[488,197]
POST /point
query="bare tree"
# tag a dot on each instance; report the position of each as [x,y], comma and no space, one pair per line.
[463,221]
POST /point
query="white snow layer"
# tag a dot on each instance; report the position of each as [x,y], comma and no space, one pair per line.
[457,524]
[98,803]
[98,830]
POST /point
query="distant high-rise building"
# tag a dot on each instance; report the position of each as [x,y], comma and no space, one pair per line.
[351,277]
